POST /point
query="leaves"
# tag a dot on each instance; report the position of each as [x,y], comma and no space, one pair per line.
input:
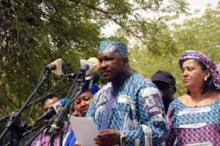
[34,33]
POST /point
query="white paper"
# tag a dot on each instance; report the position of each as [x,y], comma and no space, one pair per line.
[84,129]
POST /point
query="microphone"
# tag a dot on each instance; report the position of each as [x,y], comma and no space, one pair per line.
[55,108]
[90,66]
[56,67]
[71,75]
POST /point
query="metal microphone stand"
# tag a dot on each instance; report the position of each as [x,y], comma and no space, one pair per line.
[41,98]
[31,139]
[39,127]
[13,123]
[75,90]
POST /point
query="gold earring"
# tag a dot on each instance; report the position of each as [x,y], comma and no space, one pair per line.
[206,78]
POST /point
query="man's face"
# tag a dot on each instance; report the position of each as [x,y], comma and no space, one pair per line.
[111,65]
[49,102]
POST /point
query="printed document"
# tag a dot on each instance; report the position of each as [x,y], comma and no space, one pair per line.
[84,130]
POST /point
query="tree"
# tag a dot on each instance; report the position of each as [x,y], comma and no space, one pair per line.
[36,32]
[199,33]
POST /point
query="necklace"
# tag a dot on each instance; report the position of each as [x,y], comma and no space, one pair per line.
[205,99]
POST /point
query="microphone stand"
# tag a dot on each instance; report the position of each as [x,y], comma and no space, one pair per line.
[31,139]
[29,131]
[2,118]
[48,93]
[41,98]
[74,92]
[13,123]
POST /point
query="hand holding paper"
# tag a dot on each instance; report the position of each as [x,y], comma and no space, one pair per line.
[108,137]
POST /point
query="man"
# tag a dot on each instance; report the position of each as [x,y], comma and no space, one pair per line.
[166,83]
[43,139]
[128,110]
[49,102]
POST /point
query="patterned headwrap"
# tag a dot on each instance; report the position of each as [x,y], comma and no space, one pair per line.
[190,54]
[113,47]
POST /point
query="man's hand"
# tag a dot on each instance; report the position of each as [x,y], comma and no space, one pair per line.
[108,137]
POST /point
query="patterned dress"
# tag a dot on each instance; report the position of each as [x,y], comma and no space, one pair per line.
[43,139]
[137,112]
[194,126]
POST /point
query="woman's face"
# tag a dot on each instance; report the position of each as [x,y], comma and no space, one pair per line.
[192,74]
[82,103]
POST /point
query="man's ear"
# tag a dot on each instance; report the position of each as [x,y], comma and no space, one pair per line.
[125,60]
[174,89]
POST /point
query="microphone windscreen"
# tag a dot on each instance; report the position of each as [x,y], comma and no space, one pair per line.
[58,63]
[58,106]
[93,64]
[95,68]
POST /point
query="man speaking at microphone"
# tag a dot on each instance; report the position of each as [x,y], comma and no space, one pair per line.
[128,110]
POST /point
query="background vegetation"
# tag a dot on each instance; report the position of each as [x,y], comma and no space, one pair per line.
[33,33]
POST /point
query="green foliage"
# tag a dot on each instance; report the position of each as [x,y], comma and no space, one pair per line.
[166,45]
[34,33]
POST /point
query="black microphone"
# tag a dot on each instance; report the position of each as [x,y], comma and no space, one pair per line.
[71,75]
[55,108]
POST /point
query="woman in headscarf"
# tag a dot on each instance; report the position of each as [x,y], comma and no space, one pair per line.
[194,118]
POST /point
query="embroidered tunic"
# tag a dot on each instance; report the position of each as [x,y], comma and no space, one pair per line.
[137,112]
[194,126]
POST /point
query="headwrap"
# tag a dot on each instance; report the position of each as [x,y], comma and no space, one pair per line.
[113,47]
[214,74]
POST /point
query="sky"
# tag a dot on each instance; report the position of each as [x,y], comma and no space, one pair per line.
[200,5]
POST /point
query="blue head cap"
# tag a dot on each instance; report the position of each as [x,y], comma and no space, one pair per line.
[113,47]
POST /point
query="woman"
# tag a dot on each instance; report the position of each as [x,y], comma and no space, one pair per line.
[79,108]
[194,118]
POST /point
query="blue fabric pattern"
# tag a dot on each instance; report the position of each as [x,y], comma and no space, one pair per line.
[195,126]
[137,112]
[70,139]
[113,47]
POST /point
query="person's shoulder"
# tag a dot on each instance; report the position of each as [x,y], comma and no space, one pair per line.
[142,81]
[104,88]
[174,107]
[183,98]
[178,101]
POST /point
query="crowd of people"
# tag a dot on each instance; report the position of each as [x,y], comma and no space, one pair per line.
[130,110]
